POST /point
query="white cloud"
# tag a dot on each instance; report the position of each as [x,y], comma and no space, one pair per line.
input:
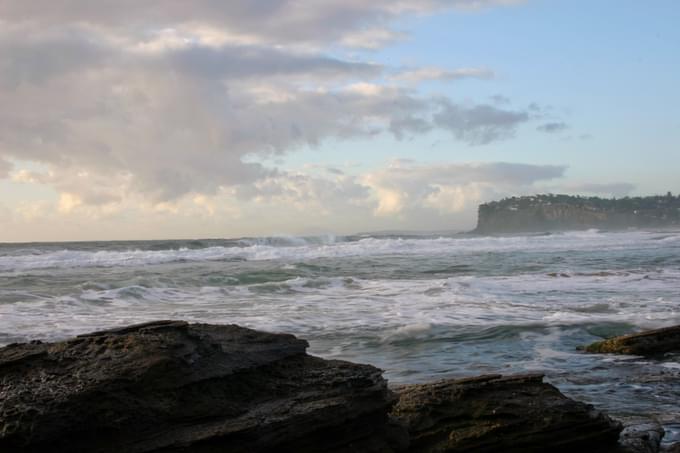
[165,108]
[451,188]
[5,168]
[134,125]
[34,212]
[169,100]
[366,89]
[372,38]
[433,73]
[263,21]
[454,199]
[5,214]
[403,194]
[68,202]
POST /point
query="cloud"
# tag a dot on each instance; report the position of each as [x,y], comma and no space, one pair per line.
[33,58]
[373,38]
[5,168]
[501,173]
[451,188]
[499,99]
[5,214]
[188,120]
[322,195]
[479,124]
[45,55]
[267,21]
[237,62]
[403,194]
[617,189]
[432,73]
[553,127]
[163,103]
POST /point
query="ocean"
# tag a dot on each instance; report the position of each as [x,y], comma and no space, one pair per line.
[421,307]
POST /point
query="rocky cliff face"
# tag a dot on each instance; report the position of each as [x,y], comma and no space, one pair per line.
[562,212]
[550,218]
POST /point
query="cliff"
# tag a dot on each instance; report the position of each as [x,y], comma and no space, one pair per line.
[565,212]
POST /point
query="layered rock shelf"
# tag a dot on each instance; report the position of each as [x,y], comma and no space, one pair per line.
[540,213]
[170,386]
[500,413]
[650,342]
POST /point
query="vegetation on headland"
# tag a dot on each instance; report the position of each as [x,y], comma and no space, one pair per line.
[655,202]
[554,212]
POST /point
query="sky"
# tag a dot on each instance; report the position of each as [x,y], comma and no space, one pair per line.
[158,119]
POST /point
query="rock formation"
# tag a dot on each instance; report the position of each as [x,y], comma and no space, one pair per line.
[675,448]
[169,386]
[540,213]
[642,437]
[495,413]
[651,342]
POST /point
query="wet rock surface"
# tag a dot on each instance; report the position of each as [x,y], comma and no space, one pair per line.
[495,413]
[641,437]
[169,386]
[651,342]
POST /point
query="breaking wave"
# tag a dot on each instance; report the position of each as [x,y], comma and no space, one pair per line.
[296,249]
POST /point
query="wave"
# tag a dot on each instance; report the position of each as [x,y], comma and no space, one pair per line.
[299,249]
[459,300]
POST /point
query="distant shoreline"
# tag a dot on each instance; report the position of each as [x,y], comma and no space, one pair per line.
[543,213]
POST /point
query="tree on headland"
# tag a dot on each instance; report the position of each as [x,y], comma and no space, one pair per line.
[625,204]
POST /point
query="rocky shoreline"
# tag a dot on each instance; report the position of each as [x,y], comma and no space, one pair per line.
[550,212]
[652,342]
[170,386]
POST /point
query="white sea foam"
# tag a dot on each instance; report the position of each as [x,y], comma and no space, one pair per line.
[294,250]
[672,365]
[417,307]
[392,309]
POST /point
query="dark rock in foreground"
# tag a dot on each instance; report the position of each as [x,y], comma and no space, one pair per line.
[675,448]
[651,342]
[642,437]
[170,386]
[495,413]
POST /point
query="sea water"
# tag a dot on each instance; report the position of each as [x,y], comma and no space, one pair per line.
[421,307]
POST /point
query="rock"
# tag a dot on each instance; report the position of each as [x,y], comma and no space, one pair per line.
[651,342]
[549,212]
[495,413]
[644,437]
[173,386]
[169,386]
